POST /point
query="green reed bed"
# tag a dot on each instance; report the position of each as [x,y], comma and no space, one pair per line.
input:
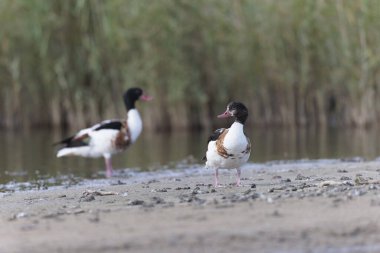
[293,62]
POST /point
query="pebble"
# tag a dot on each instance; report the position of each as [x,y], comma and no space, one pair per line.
[359,180]
[357,192]
[160,190]
[280,188]
[191,199]
[182,188]
[158,200]
[53,215]
[79,211]
[87,198]
[118,182]
[301,177]
[196,190]
[136,202]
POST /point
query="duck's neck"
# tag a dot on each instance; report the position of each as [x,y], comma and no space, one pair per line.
[134,123]
[129,104]
[236,128]
[235,138]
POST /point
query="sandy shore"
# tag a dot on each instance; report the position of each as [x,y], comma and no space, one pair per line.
[327,207]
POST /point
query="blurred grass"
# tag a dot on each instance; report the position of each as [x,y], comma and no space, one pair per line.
[65,63]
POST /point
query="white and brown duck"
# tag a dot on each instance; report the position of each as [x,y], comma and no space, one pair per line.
[108,137]
[229,148]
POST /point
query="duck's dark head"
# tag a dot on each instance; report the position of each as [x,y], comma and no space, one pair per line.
[237,110]
[132,95]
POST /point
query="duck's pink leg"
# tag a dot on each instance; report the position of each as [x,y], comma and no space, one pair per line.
[216,178]
[108,166]
[238,176]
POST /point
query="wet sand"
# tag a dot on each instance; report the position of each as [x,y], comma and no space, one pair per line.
[327,207]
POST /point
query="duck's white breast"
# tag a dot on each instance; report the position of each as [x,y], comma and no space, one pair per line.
[134,124]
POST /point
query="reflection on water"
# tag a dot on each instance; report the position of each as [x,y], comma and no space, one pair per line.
[26,156]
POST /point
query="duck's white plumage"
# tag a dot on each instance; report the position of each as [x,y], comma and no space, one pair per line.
[102,142]
[135,124]
[108,137]
[229,148]
[236,146]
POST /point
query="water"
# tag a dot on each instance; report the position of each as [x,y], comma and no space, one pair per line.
[30,156]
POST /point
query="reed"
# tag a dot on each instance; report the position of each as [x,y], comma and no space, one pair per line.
[294,62]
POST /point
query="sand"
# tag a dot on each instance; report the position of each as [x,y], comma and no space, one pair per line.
[310,207]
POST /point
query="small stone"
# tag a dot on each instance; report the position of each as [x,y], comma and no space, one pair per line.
[158,200]
[348,183]
[356,193]
[301,177]
[79,211]
[21,215]
[345,178]
[247,192]
[196,190]
[160,190]
[136,202]
[182,188]
[87,198]
[359,180]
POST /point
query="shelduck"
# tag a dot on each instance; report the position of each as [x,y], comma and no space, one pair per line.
[229,148]
[108,137]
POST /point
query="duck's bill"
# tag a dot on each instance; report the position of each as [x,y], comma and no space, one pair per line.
[146,97]
[226,114]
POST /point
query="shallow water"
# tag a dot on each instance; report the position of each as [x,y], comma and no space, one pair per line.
[30,156]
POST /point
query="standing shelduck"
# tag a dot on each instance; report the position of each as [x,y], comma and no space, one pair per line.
[108,137]
[229,148]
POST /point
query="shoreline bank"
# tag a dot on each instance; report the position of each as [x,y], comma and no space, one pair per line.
[324,207]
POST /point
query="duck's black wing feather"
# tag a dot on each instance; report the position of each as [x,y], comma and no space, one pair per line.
[109,124]
[82,138]
[74,141]
[213,137]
